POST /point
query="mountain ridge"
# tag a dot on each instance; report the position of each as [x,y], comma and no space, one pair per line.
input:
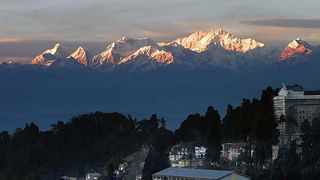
[215,47]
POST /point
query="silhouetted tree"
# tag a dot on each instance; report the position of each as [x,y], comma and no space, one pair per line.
[231,126]
[192,129]
[156,160]
[287,165]
[73,148]
[213,124]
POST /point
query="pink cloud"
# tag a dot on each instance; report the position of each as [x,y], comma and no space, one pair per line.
[10,40]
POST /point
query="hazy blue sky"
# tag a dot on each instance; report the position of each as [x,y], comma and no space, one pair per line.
[38,21]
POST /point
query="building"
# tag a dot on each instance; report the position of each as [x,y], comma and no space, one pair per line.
[232,151]
[132,165]
[93,176]
[200,152]
[187,155]
[275,152]
[292,107]
[196,174]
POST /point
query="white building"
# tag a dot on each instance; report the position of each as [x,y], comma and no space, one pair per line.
[187,155]
[200,152]
[93,176]
[196,174]
[292,107]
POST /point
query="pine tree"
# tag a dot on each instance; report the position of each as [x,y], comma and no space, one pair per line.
[212,119]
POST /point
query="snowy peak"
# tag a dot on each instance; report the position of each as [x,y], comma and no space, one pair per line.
[54,50]
[200,41]
[127,43]
[122,48]
[195,42]
[298,42]
[81,55]
[158,55]
[296,47]
[58,51]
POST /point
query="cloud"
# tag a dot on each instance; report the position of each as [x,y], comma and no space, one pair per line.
[10,40]
[314,36]
[193,23]
[287,23]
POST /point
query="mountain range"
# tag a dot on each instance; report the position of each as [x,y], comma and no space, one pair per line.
[211,48]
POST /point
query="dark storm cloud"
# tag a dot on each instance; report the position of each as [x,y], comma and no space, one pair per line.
[289,23]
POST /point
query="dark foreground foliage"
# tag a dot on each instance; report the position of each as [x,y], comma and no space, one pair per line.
[87,142]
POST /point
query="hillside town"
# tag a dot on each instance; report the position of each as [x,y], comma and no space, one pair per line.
[188,160]
[275,135]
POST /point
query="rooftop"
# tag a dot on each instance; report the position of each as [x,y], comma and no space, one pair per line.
[295,87]
[312,92]
[194,173]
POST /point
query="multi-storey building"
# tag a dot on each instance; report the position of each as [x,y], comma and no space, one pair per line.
[187,155]
[292,107]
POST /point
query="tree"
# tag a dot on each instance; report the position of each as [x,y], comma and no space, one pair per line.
[111,168]
[192,129]
[156,160]
[163,123]
[254,123]
[287,165]
[230,127]
[245,161]
[85,142]
[154,122]
[213,123]
[4,141]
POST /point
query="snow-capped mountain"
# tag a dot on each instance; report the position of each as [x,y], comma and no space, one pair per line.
[57,52]
[61,56]
[201,41]
[149,53]
[295,48]
[122,48]
[81,55]
[201,49]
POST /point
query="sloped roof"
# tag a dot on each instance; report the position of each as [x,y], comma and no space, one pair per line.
[194,173]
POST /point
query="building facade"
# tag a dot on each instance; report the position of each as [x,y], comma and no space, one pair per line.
[232,151]
[187,155]
[93,176]
[292,107]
